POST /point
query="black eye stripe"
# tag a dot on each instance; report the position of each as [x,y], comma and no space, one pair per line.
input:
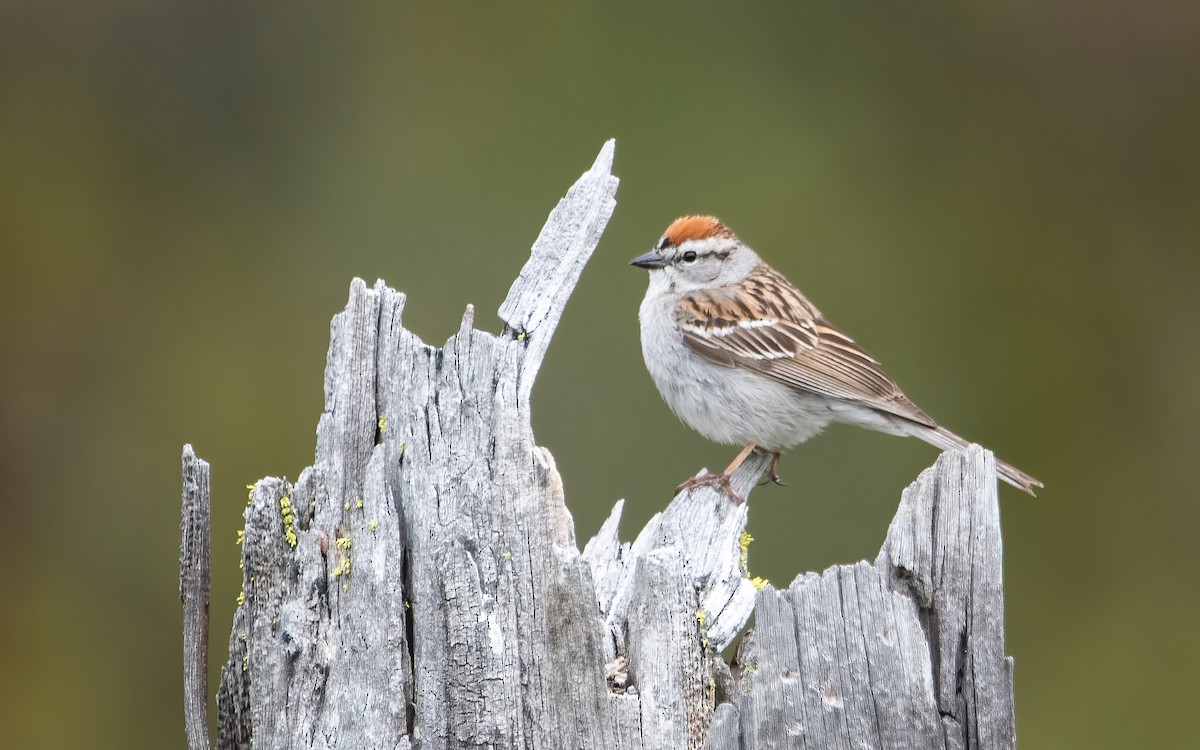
[662,243]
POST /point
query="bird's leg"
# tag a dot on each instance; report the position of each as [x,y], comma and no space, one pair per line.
[771,474]
[721,479]
[741,457]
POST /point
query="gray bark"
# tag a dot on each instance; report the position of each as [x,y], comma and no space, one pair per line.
[420,584]
[194,547]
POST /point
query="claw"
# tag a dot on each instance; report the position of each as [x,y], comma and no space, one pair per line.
[709,480]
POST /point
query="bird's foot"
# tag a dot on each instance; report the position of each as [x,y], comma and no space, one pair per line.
[771,475]
[720,481]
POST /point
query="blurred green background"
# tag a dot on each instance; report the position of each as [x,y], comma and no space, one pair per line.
[1000,201]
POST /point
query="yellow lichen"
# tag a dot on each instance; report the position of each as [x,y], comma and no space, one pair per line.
[346,505]
[358,503]
[241,536]
[241,598]
[343,542]
[373,525]
[744,543]
[757,581]
[701,617]
[344,568]
[285,510]
[382,425]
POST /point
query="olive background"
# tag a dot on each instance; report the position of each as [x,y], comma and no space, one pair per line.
[998,199]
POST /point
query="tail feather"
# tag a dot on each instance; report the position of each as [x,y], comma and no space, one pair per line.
[940,437]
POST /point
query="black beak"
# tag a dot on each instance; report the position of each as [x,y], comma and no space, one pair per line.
[649,261]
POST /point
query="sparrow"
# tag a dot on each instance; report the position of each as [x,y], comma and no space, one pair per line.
[743,358]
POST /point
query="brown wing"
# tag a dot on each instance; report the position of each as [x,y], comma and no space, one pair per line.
[764,324]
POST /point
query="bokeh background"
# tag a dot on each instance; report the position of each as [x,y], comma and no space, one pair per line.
[1000,200]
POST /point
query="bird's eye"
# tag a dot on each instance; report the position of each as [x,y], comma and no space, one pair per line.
[689,256]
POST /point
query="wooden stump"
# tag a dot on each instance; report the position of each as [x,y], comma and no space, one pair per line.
[420,584]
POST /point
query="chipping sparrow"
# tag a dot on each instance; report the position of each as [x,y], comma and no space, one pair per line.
[744,359]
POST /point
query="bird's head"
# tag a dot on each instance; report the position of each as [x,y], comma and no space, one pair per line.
[697,252]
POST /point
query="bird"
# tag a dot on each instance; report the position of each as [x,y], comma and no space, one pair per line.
[743,358]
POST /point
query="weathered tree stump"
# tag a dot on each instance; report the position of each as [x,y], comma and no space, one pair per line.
[420,584]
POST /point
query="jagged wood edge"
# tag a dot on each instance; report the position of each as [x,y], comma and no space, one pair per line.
[908,652]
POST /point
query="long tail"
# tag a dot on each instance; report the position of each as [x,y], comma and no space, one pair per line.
[940,437]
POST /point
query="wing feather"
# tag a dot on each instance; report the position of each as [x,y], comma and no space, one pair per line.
[766,325]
